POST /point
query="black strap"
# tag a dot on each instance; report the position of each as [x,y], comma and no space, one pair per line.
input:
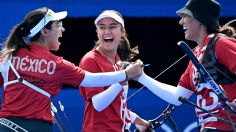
[217,71]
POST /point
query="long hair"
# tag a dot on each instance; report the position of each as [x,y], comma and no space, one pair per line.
[229,29]
[124,49]
[15,40]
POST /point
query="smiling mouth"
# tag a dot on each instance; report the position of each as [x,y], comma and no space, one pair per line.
[185,28]
[108,40]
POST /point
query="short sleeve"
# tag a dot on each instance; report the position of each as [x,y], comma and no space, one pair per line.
[70,74]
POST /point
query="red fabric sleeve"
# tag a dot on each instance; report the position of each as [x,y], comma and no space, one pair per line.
[70,74]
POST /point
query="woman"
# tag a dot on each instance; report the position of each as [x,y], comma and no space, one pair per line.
[199,19]
[105,107]
[31,74]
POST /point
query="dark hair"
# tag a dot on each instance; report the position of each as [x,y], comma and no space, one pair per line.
[124,49]
[15,40]
[229,29]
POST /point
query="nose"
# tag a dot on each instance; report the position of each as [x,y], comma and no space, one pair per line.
[107,30]
[181,21]
[63,29]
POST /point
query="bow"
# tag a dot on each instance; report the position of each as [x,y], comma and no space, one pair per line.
[155,123]
[171,67]
[216,88]
[161,119]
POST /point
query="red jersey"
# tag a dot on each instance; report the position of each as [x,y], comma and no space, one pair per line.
[43,69]
[225,50]
[111,119]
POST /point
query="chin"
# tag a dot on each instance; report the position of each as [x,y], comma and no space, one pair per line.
[54,48]
[187,37]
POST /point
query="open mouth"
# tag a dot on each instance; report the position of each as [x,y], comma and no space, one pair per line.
[185,29]
[59,38]
[108,40]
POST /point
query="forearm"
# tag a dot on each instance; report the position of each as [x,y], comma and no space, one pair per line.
[164,91]
[104,99]
[102,79]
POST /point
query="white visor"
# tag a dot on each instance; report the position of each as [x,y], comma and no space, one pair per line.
[50,16]
[110,14]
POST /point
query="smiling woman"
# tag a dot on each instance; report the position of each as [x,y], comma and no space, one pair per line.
[139,9]
[31,74]
[216,51]
[109,103]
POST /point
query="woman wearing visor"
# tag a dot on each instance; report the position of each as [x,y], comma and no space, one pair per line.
[31,74]
[105,107]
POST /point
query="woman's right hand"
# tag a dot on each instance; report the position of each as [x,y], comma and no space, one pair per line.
[134,70]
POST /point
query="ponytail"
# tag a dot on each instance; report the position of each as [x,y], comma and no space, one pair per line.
[13,42]
[229,31]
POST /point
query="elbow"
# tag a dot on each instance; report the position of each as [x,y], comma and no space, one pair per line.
[98,108]
[97,105]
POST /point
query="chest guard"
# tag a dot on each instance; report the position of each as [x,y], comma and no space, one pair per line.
[217,71]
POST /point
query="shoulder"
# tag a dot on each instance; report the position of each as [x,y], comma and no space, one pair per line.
[90,57]
[225,43]
[57,59]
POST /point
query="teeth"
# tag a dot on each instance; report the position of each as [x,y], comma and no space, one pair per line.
[185,28]
[108,38]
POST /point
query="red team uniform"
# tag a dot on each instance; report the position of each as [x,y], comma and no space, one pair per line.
[225,53]
[115,117]
[46,71]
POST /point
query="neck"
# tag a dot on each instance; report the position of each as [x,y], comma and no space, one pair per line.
[110,55]
[201,37]
[41,42]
